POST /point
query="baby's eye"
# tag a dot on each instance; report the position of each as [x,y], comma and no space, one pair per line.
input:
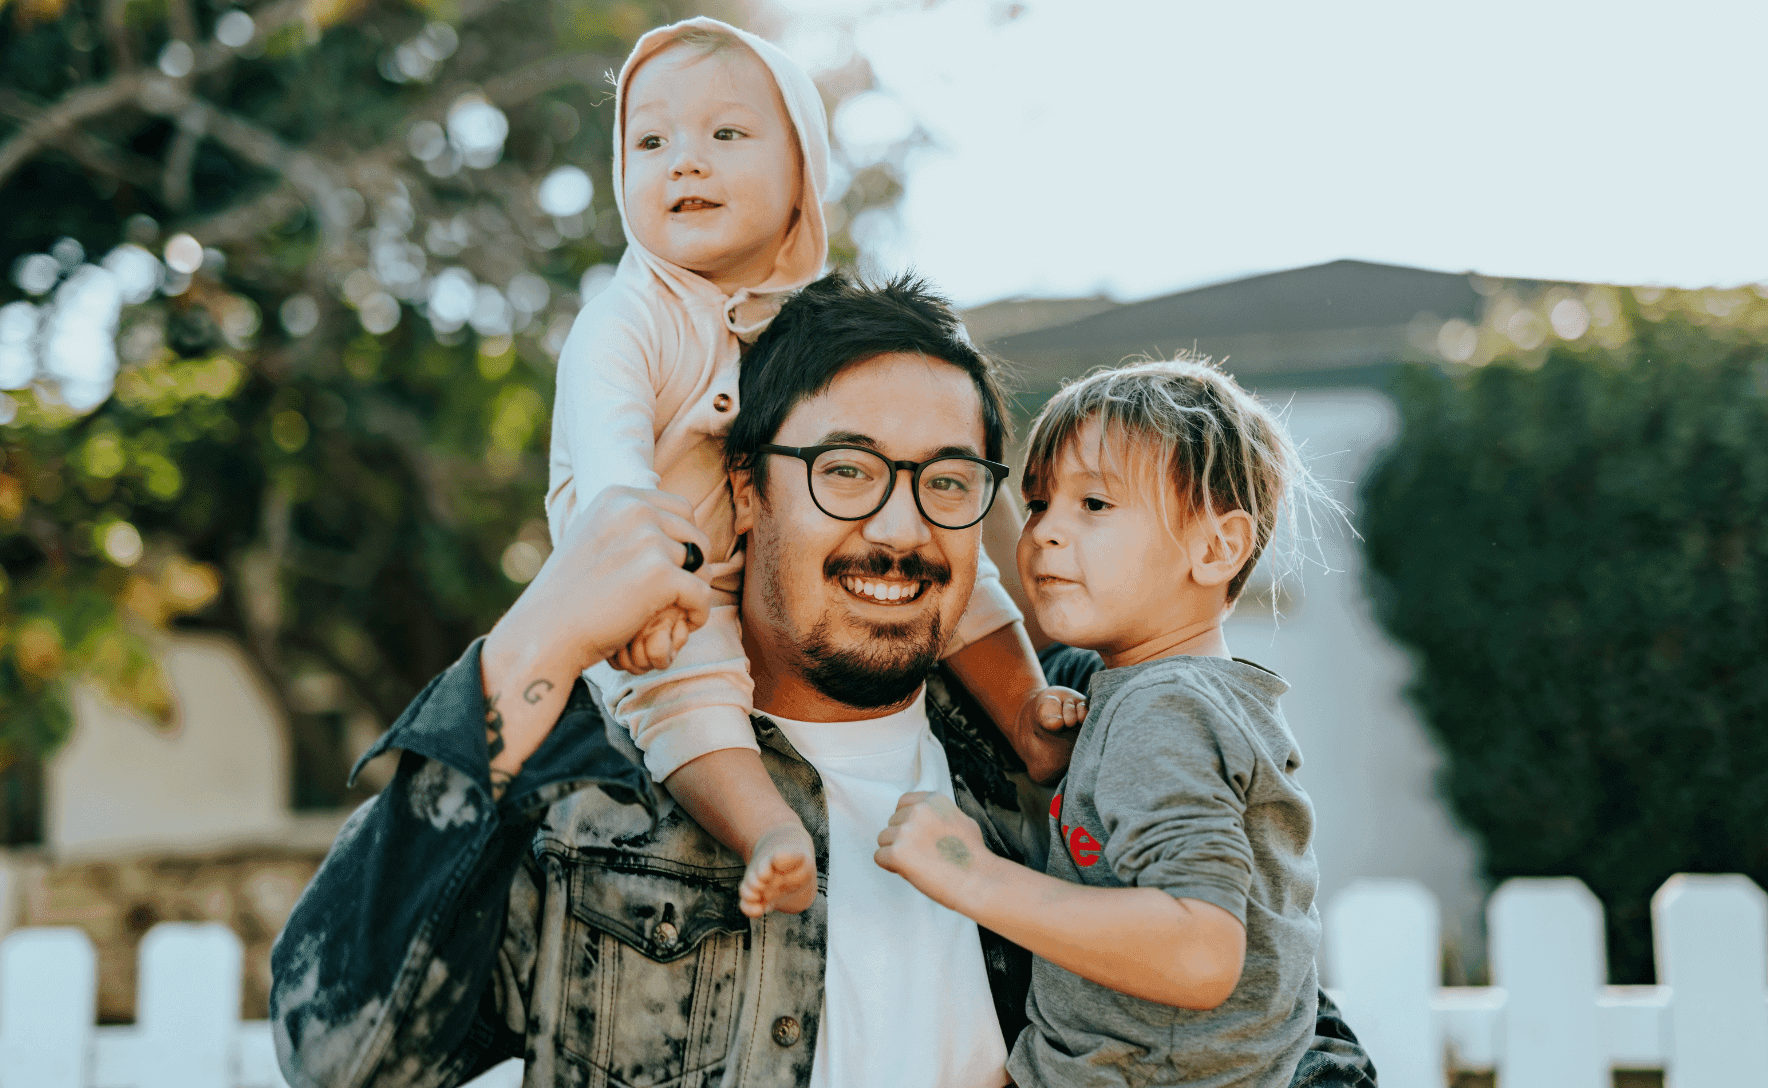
[1036,506]
[728,134]
[1093,505]
[650,143]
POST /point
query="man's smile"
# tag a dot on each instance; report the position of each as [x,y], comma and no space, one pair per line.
[880,591]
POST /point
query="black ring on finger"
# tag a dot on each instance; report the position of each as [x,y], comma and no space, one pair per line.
[695,558]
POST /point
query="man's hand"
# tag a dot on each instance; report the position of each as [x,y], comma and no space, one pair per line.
[935,847]
[1046,730]
[618,566]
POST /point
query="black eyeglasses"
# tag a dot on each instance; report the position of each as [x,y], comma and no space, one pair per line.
[851,483]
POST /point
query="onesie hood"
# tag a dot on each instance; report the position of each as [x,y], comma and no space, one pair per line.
[806,248]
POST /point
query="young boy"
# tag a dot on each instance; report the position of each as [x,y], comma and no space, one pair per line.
[720,161]
[1175,931]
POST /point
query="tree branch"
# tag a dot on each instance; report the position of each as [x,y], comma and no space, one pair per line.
[175,179]
[113,18]
[89,151]
[58,119]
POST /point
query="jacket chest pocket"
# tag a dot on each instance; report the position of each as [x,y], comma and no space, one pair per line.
[657,1001]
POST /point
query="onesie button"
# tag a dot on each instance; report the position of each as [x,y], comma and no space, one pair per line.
[786,1031]
[721,403]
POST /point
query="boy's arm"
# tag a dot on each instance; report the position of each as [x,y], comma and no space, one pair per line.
[1138,941]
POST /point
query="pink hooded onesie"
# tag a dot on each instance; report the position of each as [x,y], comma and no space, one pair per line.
[647,389]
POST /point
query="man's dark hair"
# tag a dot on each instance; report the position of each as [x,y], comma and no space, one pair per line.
[838,321]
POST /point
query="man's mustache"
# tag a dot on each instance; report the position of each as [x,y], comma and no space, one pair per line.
[912,567]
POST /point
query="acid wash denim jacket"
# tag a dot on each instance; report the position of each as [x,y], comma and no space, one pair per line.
[585,924]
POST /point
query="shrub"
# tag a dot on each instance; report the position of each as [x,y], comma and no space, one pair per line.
[1576,554]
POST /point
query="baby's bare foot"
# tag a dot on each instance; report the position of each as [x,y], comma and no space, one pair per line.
[781,874]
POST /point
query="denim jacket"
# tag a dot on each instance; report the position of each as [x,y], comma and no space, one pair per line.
[585,924]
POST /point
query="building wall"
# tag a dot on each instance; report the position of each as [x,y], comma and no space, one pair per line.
[1369,766]
[219,777]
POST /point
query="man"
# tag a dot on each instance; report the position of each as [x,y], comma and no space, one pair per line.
[520,890]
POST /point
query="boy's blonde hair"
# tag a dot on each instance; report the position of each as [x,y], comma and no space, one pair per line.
[1217,445]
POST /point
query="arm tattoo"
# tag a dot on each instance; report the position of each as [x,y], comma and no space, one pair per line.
[493,728]
[536,691]
[500,780]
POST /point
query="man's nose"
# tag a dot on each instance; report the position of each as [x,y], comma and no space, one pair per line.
[899,525]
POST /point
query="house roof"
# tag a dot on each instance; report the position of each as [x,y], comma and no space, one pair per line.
[1341,323]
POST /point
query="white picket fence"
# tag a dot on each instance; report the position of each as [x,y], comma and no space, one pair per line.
[1549,1022]
[187,1032]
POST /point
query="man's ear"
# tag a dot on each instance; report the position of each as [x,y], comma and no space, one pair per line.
[1220,546]
[743,499]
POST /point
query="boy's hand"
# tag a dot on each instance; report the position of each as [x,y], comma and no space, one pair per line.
[934,846]
[1047,727]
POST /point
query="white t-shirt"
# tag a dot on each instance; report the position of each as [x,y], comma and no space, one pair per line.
[905,997]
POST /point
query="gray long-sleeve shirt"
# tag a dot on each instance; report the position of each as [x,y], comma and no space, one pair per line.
[1183,779]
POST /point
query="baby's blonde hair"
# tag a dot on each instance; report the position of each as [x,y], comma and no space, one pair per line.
[1218,446]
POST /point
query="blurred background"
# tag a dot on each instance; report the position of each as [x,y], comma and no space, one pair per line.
[286,282]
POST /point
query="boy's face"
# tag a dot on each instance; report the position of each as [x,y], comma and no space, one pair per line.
[712,171]
[1104,567]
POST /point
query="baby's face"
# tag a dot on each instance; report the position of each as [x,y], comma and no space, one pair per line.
[712,163]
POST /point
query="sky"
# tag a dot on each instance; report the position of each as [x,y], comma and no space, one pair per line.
[1138,147]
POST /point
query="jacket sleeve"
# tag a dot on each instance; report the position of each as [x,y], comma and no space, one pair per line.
[408,959]
[1336,1059]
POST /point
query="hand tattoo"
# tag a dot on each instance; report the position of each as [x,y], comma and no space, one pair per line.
[536,691]
[952,849]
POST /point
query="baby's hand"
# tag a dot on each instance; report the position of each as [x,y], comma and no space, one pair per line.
[1046,731]
[655,645]
[933,846]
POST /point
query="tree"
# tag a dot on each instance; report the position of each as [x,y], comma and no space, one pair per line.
[1571,540]
[280,336]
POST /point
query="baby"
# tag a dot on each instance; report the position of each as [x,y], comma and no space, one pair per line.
[720,161]
[1175,932]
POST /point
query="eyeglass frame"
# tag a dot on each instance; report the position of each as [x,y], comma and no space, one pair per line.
[809,454]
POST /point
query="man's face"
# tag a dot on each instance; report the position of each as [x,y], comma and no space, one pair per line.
[712,172]
[812,611]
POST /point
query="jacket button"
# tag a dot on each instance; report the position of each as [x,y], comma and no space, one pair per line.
[721,403]
[786,1031]
[665,936]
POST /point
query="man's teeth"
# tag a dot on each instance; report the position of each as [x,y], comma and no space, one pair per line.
[884,591]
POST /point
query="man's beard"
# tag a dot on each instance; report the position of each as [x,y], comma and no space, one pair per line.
[899,657]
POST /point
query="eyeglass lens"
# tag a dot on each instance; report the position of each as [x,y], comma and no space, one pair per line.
[851,483]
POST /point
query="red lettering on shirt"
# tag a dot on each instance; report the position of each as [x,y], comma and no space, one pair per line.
[1083,847]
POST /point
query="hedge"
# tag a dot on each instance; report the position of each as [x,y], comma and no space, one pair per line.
[1576,554]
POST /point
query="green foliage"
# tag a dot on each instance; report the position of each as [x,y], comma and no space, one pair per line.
[1577,554]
